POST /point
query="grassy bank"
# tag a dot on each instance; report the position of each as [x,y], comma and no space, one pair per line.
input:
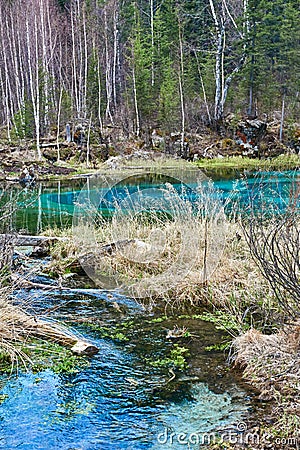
[282,162]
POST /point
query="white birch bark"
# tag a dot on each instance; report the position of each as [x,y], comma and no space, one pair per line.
[152,40]
[181,91]
[33,72]
[136,106]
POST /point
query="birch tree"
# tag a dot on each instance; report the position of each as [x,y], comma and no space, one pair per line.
[226,31]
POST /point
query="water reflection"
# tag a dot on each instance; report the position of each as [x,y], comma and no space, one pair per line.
[52,204]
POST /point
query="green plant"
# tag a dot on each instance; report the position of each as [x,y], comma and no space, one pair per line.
[177,359]
[3,397]
[44,355]
[222,320]
[218,347]
[158,319]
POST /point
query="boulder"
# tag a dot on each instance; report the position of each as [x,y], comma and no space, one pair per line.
[249,132]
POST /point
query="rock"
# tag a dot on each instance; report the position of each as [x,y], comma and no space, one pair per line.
[250,132]
[113,162]
[157,139]
[27,176]
[84,348]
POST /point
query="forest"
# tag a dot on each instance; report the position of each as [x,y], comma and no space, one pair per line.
[172,65]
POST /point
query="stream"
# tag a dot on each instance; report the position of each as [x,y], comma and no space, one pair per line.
[122,398]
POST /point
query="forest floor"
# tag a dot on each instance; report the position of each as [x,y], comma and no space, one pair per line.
[267,356]
[110,147]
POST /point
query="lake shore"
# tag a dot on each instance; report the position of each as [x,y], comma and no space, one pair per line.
[44,170]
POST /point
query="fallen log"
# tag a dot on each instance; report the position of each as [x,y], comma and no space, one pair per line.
[22,283]
[16,325]
[20,240]
[55,144]
[56,333]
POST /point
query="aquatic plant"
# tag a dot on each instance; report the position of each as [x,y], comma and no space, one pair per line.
[176,359]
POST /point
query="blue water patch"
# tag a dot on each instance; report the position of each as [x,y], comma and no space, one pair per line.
[119,400]
[101,409]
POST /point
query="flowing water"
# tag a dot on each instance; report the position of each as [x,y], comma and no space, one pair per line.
[121,398]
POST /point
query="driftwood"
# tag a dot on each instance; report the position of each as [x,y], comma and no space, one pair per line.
[22,283]
[56,333]
[55,144]
[20,240]
[16,324]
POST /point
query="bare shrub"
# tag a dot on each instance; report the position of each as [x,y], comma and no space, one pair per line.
[274,242]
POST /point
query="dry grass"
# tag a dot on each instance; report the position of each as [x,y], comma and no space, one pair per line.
[17,326]
[271,363]
[234,284]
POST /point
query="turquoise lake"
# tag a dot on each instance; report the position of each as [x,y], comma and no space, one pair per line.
[52,204]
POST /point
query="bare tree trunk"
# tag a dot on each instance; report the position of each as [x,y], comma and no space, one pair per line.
[37,84]
[282,116]
[108,82]
[115,56]
[18,76]
[21,70]
[86,59]
[58,123]
[223,82]
[34,83]
[99,94]
[220,31]
[74,65]
[203,87]
[45,73]
[250,106]
[181,91]
[5,82]
[152,40]
[136,107]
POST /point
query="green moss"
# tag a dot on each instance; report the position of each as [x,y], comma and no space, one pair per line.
[45,355]
[3,397]
[218,347]
[158,319]
[223,321]
[5,362]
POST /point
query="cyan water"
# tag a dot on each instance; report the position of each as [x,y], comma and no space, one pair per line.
[52,204]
